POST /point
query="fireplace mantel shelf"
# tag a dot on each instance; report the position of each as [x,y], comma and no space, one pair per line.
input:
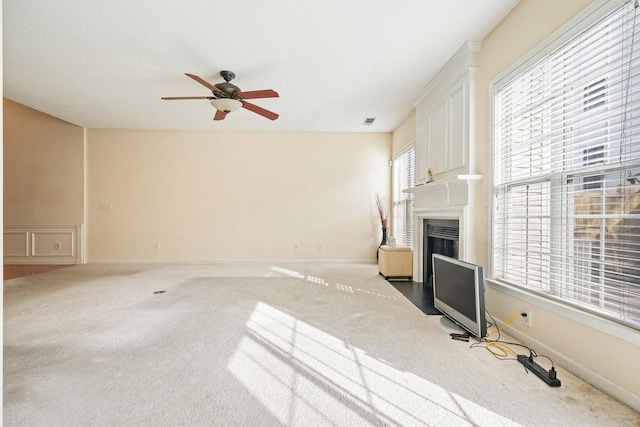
[442,182]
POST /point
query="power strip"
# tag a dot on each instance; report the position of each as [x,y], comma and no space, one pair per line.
[548,377]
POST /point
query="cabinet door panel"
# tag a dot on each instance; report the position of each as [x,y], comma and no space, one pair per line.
[421,150]
[437,140]
[457,128]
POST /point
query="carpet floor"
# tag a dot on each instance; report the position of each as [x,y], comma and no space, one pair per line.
[268,345]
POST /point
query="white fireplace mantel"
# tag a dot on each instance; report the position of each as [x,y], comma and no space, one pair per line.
[449,198]
[447,192]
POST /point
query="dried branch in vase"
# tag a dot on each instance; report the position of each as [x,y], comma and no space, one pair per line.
[382,211]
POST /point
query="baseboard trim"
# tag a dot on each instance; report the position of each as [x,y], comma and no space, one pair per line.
[627,397]
[231,261]
[39,261]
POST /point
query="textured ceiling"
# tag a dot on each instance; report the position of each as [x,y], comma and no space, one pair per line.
[106,64]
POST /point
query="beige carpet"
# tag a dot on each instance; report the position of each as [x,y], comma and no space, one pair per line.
[281,345]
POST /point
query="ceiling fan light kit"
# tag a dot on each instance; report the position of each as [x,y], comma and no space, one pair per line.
[227,97]
[226,105]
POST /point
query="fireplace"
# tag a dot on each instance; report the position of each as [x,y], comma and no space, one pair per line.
[446,210]
[441,236]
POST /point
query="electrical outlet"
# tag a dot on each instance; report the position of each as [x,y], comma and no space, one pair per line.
[295,247]
[526,320]
[156,245]
[321,246]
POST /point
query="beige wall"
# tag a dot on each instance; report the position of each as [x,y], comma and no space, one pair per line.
[404,133]
[234,195]
[597,352]
[43,168]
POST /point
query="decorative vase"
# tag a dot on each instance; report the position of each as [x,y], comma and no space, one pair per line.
[385,236]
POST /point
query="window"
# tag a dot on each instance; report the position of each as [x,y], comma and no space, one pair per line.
[566,222]
[403,178]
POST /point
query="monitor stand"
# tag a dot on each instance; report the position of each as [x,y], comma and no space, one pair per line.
[451,325]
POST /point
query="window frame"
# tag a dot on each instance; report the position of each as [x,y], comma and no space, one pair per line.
[589,16]
[402,151]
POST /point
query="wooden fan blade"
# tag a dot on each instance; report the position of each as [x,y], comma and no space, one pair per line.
[220,115]
[203,82]
[172,98]
[259,110]
[253,94]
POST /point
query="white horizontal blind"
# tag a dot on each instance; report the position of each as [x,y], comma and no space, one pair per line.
[567,172]
[403,178]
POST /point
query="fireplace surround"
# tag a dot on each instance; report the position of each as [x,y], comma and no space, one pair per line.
[451,199]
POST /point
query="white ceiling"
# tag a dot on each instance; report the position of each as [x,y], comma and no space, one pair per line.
[106,64]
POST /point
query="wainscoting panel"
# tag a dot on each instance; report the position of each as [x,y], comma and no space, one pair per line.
[16,243]
[43,244]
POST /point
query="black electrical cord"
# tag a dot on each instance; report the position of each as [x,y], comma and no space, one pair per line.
[482,342]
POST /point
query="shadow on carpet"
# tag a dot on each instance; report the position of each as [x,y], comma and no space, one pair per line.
[419,294]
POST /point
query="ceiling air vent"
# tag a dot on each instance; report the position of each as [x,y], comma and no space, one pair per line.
[368,121]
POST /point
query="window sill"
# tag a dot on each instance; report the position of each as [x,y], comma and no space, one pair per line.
[606,326]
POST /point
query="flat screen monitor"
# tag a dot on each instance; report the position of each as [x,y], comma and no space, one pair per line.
[458,292]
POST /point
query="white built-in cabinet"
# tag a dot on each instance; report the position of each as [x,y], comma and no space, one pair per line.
[445,133]
[444,119]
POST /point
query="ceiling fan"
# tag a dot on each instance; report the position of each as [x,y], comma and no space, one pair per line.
[227,97]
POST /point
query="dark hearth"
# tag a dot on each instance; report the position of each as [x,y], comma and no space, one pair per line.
[420,295]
